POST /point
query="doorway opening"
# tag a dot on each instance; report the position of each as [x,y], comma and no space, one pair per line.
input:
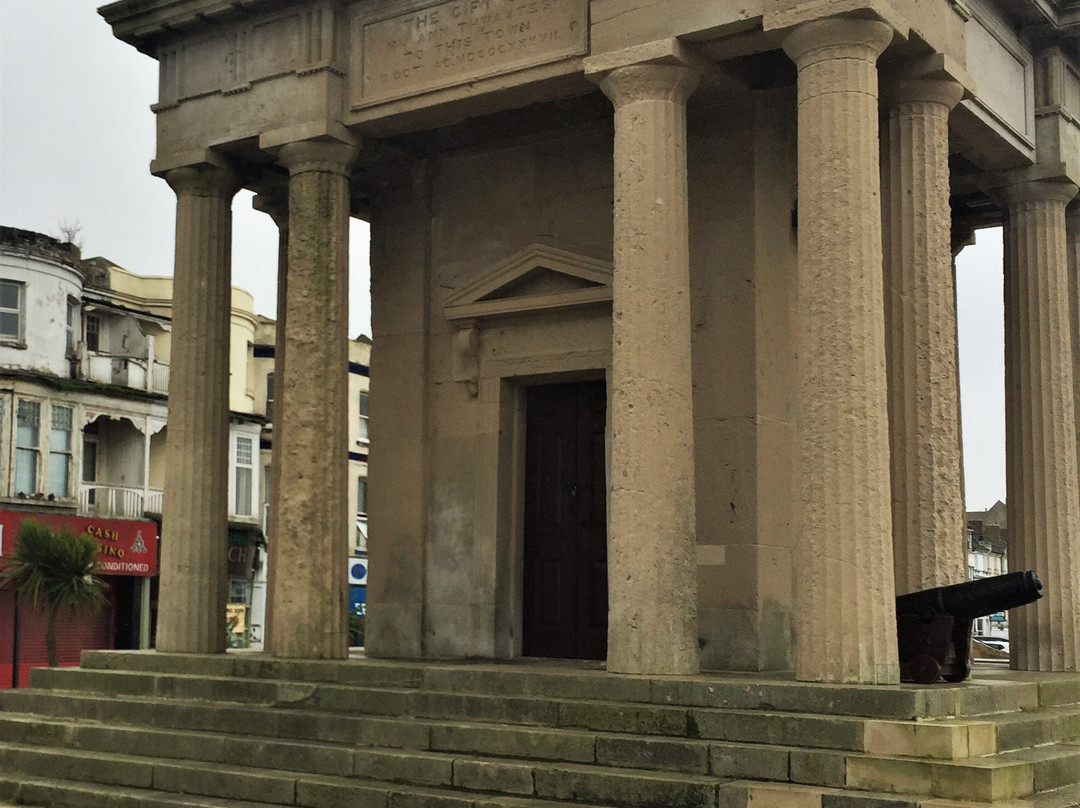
[565,551]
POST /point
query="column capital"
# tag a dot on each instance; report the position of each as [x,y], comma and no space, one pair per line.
[274,203]
[204,179]
[905,91]
[1036,190]
[327,156]
[650,82]
[837,38]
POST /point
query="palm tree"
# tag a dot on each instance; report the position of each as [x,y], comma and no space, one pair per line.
[55,566]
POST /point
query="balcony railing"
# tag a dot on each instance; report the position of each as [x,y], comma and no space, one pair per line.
[115,500]
[128,371]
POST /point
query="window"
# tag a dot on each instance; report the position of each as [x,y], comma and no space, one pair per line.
[89,461]
[27,447]
[361,513]
[93,332]
[11,305]
[243,477]
[72,319]
[3,454]
[269,395]
[60,452]
[363,417]
[361,496]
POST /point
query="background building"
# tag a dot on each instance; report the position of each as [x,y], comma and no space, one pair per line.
[987,550]
[85,349]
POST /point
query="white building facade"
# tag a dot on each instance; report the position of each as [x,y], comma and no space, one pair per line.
[85,351]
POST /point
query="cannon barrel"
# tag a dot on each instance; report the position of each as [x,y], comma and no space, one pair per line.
[973,599]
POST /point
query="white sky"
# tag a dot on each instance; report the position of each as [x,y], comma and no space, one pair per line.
[77,137]
[76,140]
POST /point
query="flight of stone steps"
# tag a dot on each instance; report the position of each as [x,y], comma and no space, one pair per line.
[246,731]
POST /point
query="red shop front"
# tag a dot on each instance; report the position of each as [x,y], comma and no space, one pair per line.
[129,561]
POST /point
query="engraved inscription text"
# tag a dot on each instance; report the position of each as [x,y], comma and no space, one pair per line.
[462,40]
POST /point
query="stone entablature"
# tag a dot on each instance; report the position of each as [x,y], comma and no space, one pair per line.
[266,72]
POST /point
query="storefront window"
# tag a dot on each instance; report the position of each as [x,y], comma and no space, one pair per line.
[27,447]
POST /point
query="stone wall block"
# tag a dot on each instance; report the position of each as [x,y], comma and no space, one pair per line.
[1044,511]
[844,577]
[191,615]
[920,309]
[309,593]
[652,565]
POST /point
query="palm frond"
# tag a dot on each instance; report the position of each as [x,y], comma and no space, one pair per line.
[55,566]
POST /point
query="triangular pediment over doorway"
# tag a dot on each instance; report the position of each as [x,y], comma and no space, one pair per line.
[536,278]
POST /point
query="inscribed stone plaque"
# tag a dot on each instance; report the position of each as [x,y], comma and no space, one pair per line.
[463,40]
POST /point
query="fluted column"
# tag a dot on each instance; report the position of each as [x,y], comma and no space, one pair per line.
[311,521]
[191,610]
[920,327]
[652,567]
[844,584]
[1072,241]
[276,206]
[1040,425]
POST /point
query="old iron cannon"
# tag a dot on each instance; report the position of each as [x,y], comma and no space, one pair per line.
[933,626]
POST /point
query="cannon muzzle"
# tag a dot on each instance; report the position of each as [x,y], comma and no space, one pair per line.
[973,599]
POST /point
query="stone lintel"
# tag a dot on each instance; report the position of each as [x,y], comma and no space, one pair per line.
[669,51]
[661,51]
[163,164]
[998,185]
[312,130]
[786,14]
[1026,185]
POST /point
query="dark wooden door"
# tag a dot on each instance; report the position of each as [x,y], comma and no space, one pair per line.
[566,606]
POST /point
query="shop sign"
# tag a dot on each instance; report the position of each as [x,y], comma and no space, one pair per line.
[236,617]
[239,555]
[125,546]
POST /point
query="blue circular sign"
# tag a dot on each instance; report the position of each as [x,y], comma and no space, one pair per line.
[358,570]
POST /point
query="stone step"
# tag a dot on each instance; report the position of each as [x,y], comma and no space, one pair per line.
[1004,776]
[1064,797]
[47,792]
[948,739]
[461,780]
[982,695]
[56,793]
[747,794]
[1058,690]
[1008,775]
[741,726]
[1058,724]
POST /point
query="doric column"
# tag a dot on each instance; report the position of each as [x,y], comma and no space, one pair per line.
[276,206]
[191,611]
[1072,241]
[844,581]
[652,566]
[1040,425]
[312,524]
[920,327]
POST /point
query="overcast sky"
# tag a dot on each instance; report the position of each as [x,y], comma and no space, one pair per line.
[77,137]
